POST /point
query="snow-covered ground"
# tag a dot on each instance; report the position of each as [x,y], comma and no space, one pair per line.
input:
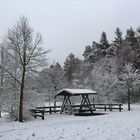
[111,126]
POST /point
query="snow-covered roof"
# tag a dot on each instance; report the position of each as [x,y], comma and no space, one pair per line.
[68,91]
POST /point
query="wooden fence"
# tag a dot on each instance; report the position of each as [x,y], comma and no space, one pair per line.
[40,111]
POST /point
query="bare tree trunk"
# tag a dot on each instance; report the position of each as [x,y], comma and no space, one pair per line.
[0,101]
[21,96]
[0,111]
[1,79]
[129,100]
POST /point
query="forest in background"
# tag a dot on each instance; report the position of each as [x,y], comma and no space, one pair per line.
[26,80]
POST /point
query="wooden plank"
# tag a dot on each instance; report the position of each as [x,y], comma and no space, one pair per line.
[47,111]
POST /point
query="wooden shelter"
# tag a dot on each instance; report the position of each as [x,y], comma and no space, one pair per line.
[84,93]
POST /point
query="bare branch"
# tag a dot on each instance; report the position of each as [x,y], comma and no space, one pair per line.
[38,40]
[10,74]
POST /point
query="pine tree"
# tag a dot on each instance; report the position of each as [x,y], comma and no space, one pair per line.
[71,66]
[92,53]
[118,39]
[131,37]
[118,43]
[87,52]
[103,41]
[137,50]
[131,48]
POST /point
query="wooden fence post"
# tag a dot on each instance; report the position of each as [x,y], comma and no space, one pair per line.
[105,107]
[42,114]
[120,107]
[50,110]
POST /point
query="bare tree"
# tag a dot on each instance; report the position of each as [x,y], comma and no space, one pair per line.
[26,51]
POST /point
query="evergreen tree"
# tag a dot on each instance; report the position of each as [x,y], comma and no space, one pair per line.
[131,37]
[118,43]
[103,41]
[92,53]
[71,68]
[87,52]
[131,48]
[137,50]
[56,79]
[118,39]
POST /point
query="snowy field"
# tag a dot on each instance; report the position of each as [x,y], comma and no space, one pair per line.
[111,126]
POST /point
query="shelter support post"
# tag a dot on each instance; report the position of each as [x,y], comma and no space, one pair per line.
[86,103]
[66,103]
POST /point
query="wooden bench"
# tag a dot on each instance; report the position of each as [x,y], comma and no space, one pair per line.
[37,113]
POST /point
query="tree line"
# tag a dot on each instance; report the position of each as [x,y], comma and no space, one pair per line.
[26,79]
[110,68]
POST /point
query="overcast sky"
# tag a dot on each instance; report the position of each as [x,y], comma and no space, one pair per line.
[69,25]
